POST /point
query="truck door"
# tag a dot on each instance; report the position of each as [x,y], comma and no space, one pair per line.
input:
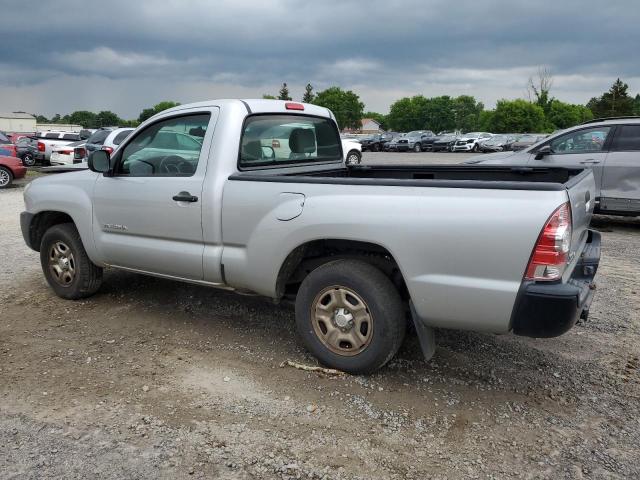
[582,148]
[148,213]
[621,180]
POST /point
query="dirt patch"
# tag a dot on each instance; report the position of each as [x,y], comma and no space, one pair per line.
[153,379]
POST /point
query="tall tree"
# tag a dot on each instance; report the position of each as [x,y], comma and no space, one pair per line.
[564,115]
[616,102]
[82,117]
[107,118]
[540,87]
[308,94]
[345,105]
[636,105]
[284,93]
[157,108]
[466,112]
[517,116]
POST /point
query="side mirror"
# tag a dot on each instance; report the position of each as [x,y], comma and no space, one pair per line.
[546,150]
[99,161]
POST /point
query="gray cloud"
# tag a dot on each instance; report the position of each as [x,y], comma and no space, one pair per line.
[125,56]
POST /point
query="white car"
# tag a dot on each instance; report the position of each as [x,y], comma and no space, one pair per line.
[115,138]
[68,154]
[470,142]
[352,152]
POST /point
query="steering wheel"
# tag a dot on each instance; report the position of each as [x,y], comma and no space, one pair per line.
[175,164]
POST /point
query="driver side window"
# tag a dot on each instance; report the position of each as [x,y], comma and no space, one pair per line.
[169,148]
[582,141]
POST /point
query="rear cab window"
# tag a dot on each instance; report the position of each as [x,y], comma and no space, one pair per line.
[627,138]
[272,140]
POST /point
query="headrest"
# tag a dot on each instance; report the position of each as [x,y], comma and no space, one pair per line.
[252,150]
[302,140]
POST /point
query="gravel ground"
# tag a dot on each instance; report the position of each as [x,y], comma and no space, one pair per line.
[154,379]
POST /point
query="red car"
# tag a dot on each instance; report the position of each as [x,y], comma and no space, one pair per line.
[10,168]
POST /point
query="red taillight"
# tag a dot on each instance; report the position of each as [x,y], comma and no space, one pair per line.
[109,150]
[551,253]
[293,106]
[40,147]
[79,153]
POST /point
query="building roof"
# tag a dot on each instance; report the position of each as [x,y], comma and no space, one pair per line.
[16,115]
[365,120]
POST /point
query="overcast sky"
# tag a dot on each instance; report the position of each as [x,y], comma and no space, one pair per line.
[64,55]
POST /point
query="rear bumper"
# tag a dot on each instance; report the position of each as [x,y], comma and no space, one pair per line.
[546,310]
[19,171]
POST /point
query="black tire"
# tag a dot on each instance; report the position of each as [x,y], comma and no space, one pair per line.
[383,303]
[417,147]
[376,147]
[28,160]
[476,148]
[354,157]
[87,276]
[6,177]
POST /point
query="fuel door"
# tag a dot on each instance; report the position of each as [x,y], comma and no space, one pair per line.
[290,206]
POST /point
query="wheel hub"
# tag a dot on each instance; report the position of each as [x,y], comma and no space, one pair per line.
[343,318]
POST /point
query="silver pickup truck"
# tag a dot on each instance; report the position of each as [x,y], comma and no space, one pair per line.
[254,196]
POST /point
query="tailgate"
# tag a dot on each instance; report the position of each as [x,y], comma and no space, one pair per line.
[582,196]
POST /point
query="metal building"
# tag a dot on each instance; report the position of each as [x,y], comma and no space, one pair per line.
[17,122]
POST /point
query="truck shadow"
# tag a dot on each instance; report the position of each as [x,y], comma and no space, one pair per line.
[608,223]
[477,360]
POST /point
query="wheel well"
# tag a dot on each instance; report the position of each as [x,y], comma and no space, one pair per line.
[309,256]
[42,222]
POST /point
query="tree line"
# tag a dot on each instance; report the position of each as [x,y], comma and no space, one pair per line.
[105,118]
[540,113]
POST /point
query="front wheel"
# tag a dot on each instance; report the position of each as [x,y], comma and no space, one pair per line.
[6,177]
[66,265]
[476,148]
[354,157]
[350,316]
[417,148]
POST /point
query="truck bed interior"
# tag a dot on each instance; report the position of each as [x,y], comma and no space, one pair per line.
[461,176]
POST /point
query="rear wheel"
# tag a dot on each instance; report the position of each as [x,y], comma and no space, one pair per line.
[354,157]
[6,177]
[66,265]
[376,147]
[350,316]
[28,160]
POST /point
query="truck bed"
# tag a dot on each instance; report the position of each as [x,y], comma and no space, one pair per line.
[443,176]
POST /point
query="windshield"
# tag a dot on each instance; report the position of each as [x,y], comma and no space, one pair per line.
[286,139]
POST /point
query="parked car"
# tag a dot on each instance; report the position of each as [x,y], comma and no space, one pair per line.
[352,151]
[115,138]
[497,143]
[375,143]
[444,143]
[11,168]
[526,140]
[47,141]
[470,142]
[68,154]
[97,138]
[339,241]
[26,148]
[413,140]
[610,147]
[7,148]
[392,145]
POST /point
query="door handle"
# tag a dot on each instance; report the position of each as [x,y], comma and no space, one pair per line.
[185,197]
[590,162]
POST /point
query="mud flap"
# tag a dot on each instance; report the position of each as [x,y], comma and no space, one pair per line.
[426,335]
